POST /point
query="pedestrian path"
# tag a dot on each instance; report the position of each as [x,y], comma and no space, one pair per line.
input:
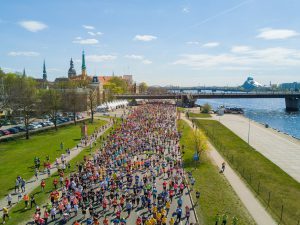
[252,204]
[32,183]
[275,146]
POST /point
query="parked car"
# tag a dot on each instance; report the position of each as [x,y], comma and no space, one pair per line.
[13,130]
[20,128]
[44,124]
[49,123]
[37,124]
[32,127]
[5,132]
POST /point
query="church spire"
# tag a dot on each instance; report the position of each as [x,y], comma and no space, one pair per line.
[24,73]
[44,72]
[83,67]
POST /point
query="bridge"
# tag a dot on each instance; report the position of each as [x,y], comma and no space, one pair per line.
[175,89]
[292,99]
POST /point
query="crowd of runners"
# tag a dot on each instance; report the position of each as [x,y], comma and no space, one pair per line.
[136,177]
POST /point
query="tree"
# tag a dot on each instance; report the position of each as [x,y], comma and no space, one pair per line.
[23,98]
[74,101]
[92,102]
[200,141]
[206,108]
[51,103]
[116,85]
[143,87]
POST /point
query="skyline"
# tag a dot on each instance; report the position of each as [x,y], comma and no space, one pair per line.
[184,43]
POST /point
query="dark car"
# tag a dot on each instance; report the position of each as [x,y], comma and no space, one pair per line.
[19,128]
[13,130]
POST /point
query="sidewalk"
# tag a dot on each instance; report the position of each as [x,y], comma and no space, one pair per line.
[279,148]
[252,204]
[32,183]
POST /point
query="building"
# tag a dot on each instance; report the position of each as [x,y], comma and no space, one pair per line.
[72,71]
[250,84]
[295,86]
[42,83]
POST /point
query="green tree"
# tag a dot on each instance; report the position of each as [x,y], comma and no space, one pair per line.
[206,108]
[116,85]
[200,141]
[143,87]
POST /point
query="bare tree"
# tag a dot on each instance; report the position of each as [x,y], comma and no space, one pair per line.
[51,104]
[92,102]
[23,99]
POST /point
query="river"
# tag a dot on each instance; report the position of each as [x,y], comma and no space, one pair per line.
[267,111]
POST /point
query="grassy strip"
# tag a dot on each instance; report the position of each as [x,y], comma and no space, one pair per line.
[17,156]
[217,196]
[199,115]
[275,188]
[181,109]
[18,214]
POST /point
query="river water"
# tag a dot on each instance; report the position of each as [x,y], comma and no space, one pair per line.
[266,111]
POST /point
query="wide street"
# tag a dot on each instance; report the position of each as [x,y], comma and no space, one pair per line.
[145,151]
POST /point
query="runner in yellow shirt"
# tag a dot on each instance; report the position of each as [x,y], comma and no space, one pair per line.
[172,221]
[164,220]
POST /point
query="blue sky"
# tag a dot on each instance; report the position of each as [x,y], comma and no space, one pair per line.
[188,42]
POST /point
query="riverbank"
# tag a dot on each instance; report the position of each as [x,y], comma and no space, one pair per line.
[280,148]
[276,189]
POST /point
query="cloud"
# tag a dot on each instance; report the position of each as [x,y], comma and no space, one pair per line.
[94,33]
[139,57]
[210,44]
[240,49]
[144,37]
[243,57]
[100,58]
[273,34]
[78,38]
[23,54]
[33,26]
[88,27]
[146,61]
[88,41]
[185,9]
[192,43]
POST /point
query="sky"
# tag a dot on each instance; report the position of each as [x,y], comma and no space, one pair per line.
[169,42]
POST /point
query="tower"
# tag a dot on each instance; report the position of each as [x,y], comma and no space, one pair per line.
[83,67]
[44,72]
[24,73]
[72,71]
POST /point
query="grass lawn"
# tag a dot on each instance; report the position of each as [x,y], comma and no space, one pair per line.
[275,188]
[217,196]
[19,215]
[17,156]
[181,109]
[199,115]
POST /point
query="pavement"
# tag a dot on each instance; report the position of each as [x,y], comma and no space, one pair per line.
[252,204]
[280,148]
[32,183]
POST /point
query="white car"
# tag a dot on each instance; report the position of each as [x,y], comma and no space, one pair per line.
[49,123]
[36,124]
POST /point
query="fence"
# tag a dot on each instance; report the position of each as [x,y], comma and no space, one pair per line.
[265,195]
